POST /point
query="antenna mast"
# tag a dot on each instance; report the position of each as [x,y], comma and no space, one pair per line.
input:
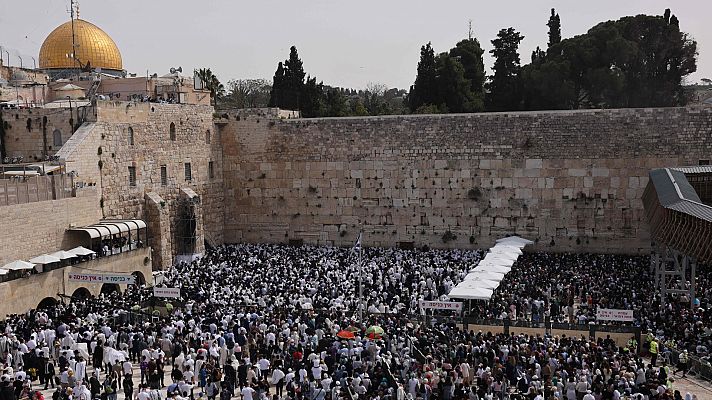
[72,4]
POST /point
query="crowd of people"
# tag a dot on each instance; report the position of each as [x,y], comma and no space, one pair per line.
[280,322]
[568,288]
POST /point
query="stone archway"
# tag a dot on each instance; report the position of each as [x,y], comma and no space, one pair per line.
[47,302]
[108,288]
[81,294]
[140,278]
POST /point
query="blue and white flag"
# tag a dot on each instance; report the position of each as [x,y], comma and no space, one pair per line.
[357,246]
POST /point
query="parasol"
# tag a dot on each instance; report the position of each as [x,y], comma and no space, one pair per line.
[374,332]
[346,335]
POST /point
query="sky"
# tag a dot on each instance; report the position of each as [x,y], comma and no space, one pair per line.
[344,43]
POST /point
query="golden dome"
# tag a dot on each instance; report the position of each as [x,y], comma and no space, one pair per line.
[92,45]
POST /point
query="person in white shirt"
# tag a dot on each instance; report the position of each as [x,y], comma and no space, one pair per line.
[264,365]
[278,380]
[247,393]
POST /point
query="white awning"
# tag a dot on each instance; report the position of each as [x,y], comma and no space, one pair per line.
[63,255]
[18,265]
[470,293]
[108,228]
[476,282]
[81,251]
[501,269]
[45,259]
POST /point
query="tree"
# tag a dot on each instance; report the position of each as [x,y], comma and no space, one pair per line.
[424,89]
[336,105]
[294,80]
[313,99]
[288,83]
[454,94]
[277,91]
[637,61]
[469,53]
[504,87]
[247,93]
[212,83]
[554,25]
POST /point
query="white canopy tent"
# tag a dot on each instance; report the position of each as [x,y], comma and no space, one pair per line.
[506,258]
[515,241]
[4,271]
[63,255]
[476,282]
[505,248]
[45,259]
[493,276]
[81,251]
[470,293]
[500,269]
[18,265]
[486,276]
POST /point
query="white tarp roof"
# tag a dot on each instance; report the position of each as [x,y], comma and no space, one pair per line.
[506,249]
[81,251]
[63,255]
[486,276]
[494,276]
[45,259]
[477,282]
[18,265]
[515,241]
[506,257]
[470,293]
[4,271]
[111,227]
[501,269]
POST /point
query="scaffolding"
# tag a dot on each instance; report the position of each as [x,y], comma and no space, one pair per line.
[185,227]
[675,273]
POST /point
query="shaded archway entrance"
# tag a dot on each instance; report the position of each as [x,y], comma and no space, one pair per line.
[46,303]
[109,288]
[81,294]
[140,278]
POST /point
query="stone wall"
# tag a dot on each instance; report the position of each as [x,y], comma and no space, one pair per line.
[572,180]
[30,132]
[32,229]
[103,152]
[21,295]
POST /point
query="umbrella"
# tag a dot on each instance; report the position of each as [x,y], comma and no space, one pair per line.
[352,328]
[63,255]
[81,251]
[346,335]
[374,332]
[18,265]
[44,259]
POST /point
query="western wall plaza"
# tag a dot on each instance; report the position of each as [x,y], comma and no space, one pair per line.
[489,226]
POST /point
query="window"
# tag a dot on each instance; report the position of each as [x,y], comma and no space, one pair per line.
[188,172]
[211,172]
[132,176]
[57,138]
[173,131]
[164,175]
[207,136]
[131,136]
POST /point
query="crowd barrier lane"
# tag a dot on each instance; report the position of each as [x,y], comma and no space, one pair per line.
[696,366]
[620,334]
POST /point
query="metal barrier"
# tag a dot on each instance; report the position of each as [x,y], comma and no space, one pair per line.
[697,367]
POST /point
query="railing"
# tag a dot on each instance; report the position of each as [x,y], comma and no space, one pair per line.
[14,275]
[697,366]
